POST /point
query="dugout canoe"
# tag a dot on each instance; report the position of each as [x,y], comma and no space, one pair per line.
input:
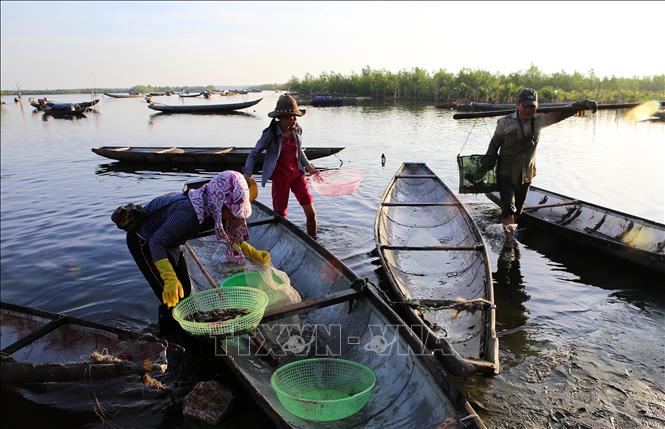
[221,158]
[634,239]
[340,316]
[122,95]
[437,267]
[202,108]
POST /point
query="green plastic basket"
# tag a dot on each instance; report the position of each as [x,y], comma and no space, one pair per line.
[240,298]
[323,389]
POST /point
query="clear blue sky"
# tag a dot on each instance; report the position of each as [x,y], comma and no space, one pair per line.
[50,45]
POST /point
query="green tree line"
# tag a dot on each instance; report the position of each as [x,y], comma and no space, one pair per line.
[480,85]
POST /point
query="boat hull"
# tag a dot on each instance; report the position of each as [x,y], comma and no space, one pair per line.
[203,108]
[630,238]
[437,266]
[219,158]
[412,390]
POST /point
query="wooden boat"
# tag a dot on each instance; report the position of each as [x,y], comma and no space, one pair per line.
[437,266]
[631,238]
[203,108]
[40,337]
[220,158]
[122,95]
[185,95]
[46,357]
[488,107]
[339,316]
[86,105]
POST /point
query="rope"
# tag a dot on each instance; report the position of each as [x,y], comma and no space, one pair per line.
[458,304]
[467,137]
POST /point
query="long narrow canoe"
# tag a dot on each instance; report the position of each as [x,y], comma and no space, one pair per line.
[438,268]
[186,157]
[631,238]
[202,108]
[122,95]
[339,317]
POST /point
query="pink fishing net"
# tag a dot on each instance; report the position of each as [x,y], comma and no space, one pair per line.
[336,182]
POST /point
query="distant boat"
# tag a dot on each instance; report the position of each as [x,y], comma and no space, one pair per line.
[229,157]
[48,105]
[198,94]
[202,108]
[122,95]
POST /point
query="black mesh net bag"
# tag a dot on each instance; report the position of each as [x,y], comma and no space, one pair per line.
[477,174]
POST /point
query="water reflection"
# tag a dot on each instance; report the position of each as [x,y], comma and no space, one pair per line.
[124,167]
[47,115]
[157,117]
[510,296]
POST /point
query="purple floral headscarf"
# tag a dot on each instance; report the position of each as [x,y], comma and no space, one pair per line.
[229,189]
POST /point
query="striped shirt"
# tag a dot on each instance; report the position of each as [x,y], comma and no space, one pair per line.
[172,220]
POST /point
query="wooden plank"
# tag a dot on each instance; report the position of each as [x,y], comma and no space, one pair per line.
[311,304]
[421,204]
[34,335]
[418,248]
[416,176]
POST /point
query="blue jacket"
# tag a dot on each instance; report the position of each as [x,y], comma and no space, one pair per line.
[273,149]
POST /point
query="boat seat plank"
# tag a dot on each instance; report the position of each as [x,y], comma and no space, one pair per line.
[453,204]
[308,305]
[34,335]
[171,150]
[225,150]
[389,247]
[416,176]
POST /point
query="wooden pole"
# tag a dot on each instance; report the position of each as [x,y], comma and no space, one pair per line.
[24,372]
[471,115]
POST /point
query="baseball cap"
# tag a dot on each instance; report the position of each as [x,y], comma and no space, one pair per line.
[528,97]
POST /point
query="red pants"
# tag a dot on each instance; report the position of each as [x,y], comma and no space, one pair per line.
[280,193]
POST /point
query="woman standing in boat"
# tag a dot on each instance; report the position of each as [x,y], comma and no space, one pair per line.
[514,141]
[285,162]
[156,231]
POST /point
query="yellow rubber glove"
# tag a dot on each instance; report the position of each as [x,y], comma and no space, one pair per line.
[172,288]
[261,257]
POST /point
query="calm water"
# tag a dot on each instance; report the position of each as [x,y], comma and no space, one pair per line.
[581,337]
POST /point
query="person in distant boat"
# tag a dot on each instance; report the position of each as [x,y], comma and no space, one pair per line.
[285,162]
[156,231]
[515,140]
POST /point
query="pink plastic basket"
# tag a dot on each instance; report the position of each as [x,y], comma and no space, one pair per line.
[336,182]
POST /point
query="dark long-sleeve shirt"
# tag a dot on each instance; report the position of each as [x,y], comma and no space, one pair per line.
[172,220]
[517,158]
